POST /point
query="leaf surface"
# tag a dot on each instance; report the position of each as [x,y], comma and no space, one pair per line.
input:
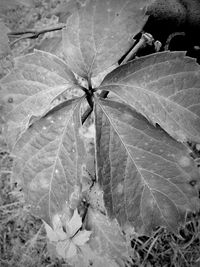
[99,33]
[89,258]
[148,178]
[30,89]
[108,240]
[49,158]
[4,42]
[165,88]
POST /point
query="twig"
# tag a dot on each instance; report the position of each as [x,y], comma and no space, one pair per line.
[32,33]
[145,39]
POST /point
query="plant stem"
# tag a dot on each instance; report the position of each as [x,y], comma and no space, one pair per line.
[32,33]
[145,39]
[86,114]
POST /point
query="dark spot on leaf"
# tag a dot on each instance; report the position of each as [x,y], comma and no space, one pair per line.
[193,182]
[117,14]
[10,100]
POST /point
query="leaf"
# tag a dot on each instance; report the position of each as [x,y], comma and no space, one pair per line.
[51,44]
[66,243]
[74,224]
[30,89]
[165,88]
[4,42]
[148,178]
[99,33]
[49,159]
[52,235]
[107,239]
[89,258]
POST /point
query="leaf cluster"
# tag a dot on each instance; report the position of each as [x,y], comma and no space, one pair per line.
[144,111]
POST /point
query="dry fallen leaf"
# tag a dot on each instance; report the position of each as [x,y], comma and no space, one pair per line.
[67,242]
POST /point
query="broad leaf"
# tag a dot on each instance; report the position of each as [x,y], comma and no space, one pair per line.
[148,178]
[31,87]
[107,239]
[4,42]
[164,87]
[49,159]
[100,32]
[89,258]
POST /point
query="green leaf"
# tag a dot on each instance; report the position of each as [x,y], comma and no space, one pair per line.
[49,159]
[107,239]
[165,88]
[89,258]
[100,32]
[30,89]
[148,178]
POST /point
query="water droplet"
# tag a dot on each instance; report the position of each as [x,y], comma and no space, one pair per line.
[44,127]
[56,171]
[73,150]
[51,121]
